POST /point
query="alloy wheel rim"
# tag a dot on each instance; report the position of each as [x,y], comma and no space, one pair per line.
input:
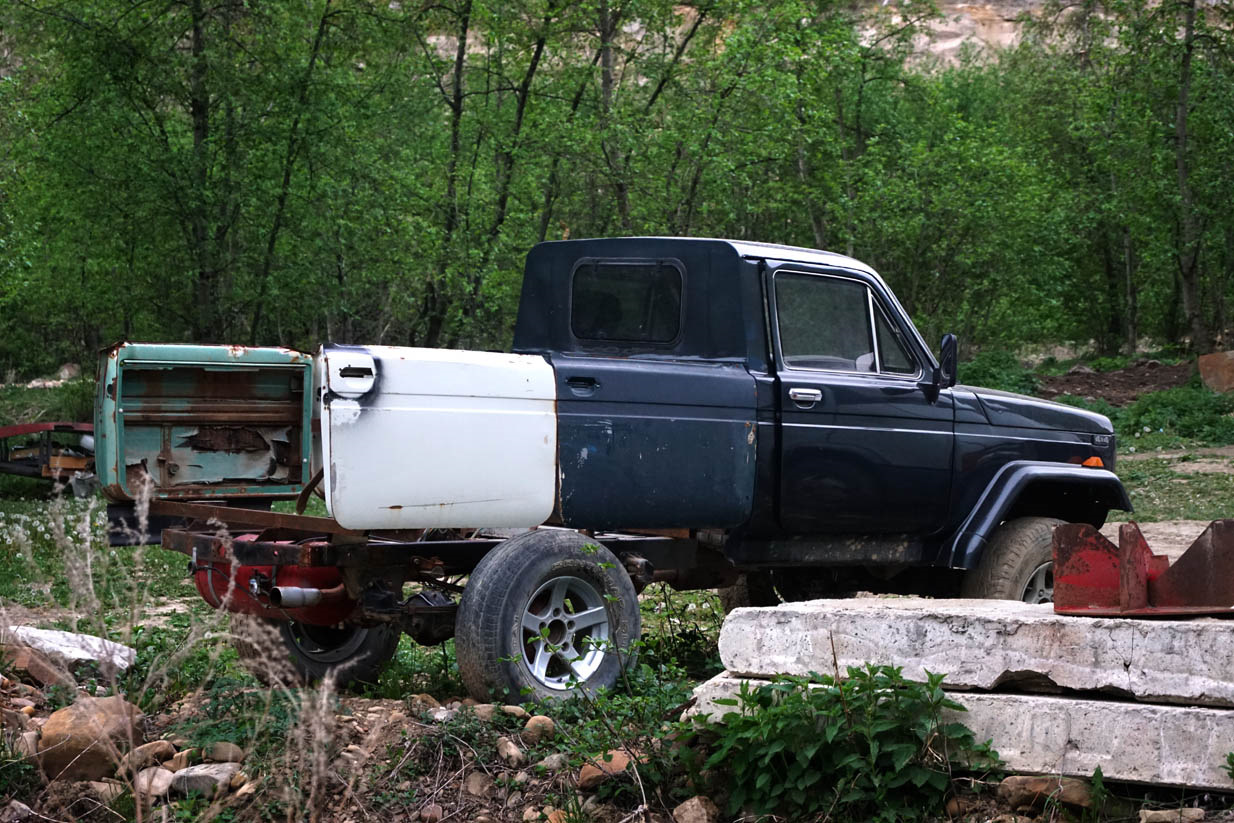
[1039,588]
[565,632]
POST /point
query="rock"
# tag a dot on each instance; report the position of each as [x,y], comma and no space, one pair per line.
[1032,791]
[554,762]
[538,728]
[530,813]
[38,666]
[83,741]
[1080,368]
[156,751]
[10,719]
[153,782]
[420,703]
[510,753]
[73,651]
[16,812]
[515,711]
[182,760]
[515,799]
[1217,370]
[223,752]
[1174,661]
[556,816]
[207,778]
[247,790]
[27,745]
[1131,742]
[441,715]
[611,765]
[485,711]
[482,818]
[21,702]
[1011,818]
[697,809]
[1171,815]
[478,784]
[521,779]
[105,792]
[432,813]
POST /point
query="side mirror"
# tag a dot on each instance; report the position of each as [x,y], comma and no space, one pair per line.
[945,372]
[948,357]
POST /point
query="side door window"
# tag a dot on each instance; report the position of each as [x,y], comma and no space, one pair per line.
[824,323]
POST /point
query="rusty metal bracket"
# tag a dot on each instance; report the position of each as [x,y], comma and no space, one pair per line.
[1094,577]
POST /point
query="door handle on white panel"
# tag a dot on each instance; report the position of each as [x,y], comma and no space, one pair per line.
[801,395]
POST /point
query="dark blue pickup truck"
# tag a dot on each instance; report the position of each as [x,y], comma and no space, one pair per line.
[706,413]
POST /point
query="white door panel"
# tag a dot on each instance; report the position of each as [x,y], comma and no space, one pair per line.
[435,438]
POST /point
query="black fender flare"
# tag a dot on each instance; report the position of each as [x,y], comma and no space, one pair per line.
[1004,489]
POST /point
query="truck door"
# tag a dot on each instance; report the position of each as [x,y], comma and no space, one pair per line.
[648,438]
[863,449]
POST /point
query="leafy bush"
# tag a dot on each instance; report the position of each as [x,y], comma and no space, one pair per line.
[1190,412]
[869,747]
[1110,363]
[998,369]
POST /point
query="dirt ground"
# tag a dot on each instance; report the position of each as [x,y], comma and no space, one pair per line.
[1119,387]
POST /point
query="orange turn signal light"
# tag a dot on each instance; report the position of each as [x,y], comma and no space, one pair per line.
[1094,462]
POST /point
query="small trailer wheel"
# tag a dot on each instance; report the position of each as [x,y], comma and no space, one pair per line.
[1017,564]
[353,655]
[543,614]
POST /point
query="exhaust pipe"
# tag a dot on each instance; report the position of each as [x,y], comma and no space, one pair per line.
[294,597]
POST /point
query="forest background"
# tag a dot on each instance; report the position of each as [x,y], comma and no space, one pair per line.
[374,172]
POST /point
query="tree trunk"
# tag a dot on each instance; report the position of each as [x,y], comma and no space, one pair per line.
[1188,254]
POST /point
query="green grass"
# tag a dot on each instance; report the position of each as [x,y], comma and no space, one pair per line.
[1160,492]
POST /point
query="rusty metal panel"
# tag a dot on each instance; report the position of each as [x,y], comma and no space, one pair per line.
[203,421]
[1094,577]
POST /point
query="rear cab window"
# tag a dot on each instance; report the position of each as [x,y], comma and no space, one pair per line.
[626,301]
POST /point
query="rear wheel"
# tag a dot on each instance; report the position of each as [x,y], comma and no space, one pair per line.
[1018,563]
[352,655]
[543,614]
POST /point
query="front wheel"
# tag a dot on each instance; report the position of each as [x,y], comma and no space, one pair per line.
[1018,563]
[545,613]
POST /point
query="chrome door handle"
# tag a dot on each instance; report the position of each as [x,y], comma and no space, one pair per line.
[805,395]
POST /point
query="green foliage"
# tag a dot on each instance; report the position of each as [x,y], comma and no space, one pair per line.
[998,369]
[19,778]
[1191,412]
[872,746]
[256,719]
[1229,765]
[415,668]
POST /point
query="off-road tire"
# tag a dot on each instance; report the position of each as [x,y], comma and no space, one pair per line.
[352,657]
[490,641]
[1015,552]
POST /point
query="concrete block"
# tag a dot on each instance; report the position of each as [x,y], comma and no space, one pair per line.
[986,644]
[1037,734]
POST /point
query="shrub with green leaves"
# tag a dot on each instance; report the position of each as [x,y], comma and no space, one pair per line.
[998,369]
[872,746]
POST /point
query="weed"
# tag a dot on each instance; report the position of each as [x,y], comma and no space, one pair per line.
[871,746]
[1229,765]
[18,776]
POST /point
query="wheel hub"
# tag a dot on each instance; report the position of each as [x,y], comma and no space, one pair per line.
[566,631]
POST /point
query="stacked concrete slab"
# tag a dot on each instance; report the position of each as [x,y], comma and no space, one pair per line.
[1146,700]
